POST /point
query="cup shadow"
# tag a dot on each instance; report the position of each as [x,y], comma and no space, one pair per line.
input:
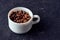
[39,27]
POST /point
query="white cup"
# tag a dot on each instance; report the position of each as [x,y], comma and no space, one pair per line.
[20,28]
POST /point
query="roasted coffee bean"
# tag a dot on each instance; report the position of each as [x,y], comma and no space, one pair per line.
[15,20]
[17,14]
[28,18]
[25,21]
[20,16]
[21,11]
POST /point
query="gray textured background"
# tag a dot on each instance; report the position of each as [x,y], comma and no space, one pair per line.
[47,29]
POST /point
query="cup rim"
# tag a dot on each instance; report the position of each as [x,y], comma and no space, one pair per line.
[20,23]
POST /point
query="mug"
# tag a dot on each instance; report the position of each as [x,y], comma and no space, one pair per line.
[20,28]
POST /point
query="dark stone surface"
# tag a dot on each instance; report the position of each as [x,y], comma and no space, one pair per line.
[47,29]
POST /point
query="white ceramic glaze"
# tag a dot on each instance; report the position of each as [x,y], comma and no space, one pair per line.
[20,28]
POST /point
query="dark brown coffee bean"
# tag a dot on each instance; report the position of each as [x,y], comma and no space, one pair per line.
[25,16]
[17,14]
[24,20]
[12,18]
[15,20]
[21,11]
[28,18]
[19,20]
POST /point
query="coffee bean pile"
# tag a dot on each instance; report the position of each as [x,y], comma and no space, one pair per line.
[20,16]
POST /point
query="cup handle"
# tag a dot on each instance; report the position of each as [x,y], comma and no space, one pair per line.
[38,19]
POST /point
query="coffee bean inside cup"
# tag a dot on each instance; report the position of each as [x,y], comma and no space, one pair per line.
[20,16]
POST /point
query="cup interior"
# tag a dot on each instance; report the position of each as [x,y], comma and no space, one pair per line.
[23,9]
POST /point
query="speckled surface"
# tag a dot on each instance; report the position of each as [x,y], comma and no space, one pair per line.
[47,29]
